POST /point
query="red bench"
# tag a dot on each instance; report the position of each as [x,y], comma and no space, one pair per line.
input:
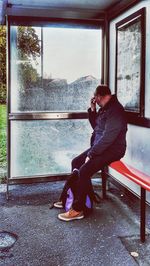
[137,177]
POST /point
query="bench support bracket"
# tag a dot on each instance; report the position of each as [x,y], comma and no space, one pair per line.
[104,180]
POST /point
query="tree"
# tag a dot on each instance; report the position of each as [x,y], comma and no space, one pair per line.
[2,64]
[28,45]
[3,54]
[28,76]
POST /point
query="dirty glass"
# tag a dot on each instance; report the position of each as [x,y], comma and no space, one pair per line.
[53,69]
[46,147]
[25,77]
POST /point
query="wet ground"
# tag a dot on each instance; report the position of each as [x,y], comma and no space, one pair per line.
[107,237]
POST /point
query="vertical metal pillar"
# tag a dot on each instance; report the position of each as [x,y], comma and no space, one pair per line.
[42,76]
[8,60]
[143,208]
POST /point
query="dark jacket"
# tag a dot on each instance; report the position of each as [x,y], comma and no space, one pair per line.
[110,128]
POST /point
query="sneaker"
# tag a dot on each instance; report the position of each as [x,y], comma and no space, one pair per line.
[58,205]
[71,215]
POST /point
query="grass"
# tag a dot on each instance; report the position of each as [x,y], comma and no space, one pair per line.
[3,122]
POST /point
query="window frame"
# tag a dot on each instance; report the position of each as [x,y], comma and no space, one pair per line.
[128,21]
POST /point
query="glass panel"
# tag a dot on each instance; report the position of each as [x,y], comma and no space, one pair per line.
[129,64]
[46,147]
[54,69]
[25,66]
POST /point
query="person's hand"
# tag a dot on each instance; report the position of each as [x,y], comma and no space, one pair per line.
[87,159]
[93,104]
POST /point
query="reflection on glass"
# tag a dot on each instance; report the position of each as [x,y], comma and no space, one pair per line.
[25,64]
[46,147]
[54,69]
[129,65]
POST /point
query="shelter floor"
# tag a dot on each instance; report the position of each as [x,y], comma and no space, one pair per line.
[107,237]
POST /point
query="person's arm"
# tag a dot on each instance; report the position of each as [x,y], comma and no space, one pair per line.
[114,125]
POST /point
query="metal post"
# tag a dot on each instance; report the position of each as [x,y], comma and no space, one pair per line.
[7,191]
[42,56]
[9,41]
[103,175]
[143,208]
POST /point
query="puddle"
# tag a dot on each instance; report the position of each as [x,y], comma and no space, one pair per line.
[7,240]
[2,188]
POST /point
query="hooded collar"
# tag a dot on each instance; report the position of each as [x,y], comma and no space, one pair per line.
[111,101]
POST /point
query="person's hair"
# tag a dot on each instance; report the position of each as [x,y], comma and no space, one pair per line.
[102,90]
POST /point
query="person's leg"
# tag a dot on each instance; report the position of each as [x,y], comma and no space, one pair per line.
[84,183]
[86,171]
[78,161]
[75,165]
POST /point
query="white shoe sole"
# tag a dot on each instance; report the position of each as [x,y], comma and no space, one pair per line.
[70,219]
[58,206]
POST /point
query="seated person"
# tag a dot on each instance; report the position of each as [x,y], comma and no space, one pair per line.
[108,144]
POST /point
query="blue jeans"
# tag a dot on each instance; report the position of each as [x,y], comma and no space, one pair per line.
[87,170]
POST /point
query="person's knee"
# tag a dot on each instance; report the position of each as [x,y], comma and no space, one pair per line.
[74,163]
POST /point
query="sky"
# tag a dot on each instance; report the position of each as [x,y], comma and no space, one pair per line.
[71,53]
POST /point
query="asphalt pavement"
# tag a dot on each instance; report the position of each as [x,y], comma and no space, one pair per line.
[108,237]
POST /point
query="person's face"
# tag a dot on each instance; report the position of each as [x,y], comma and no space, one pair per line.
[99,100]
